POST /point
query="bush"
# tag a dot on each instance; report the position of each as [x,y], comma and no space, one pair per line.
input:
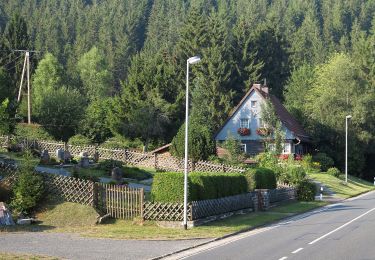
[307,163]
[5,193]
[108,165]
[119,142]
[293,175]
[306,191]
[260,178]
[325,161]
[201,145]
[28,190]
[32,132]
[334,172]
[80,140]
[85,176]
[169,186]
[136,173]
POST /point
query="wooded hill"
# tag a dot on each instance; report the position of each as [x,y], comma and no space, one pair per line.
[117,67]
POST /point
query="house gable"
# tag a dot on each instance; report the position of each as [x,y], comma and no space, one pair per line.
[251,111]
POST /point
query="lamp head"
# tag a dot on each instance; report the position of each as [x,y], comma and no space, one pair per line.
[348,117]
[194,60]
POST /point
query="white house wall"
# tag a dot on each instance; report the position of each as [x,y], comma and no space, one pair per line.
[243,112]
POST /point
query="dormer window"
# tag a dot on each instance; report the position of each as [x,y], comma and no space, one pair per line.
[253,104]
[244,123]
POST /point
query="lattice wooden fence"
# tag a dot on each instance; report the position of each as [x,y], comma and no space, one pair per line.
[121,201]
[76,150]
[206,208]
[70,189]
[109,154]
[4,141]
[50,146]
[165,211]
[8,172]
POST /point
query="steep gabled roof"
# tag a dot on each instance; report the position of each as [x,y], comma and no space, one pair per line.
[285,117]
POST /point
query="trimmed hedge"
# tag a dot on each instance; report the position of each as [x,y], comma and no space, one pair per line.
[306,191]
[169,186]
[325,161]
[260,178]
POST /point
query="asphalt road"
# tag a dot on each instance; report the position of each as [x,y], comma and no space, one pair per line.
[341,231]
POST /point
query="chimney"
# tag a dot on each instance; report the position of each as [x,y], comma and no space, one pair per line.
[258,86]
[265,89]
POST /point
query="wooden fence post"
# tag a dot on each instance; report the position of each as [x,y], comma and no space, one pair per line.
[95,195]
[156,161]
[125,156]
[142,202]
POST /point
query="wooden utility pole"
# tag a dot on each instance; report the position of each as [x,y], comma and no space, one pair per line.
[26,65]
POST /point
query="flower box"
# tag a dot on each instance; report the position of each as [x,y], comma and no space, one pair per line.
[243,131]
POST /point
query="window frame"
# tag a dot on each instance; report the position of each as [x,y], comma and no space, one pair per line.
[248,123]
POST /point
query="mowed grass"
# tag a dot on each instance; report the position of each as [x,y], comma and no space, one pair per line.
[79,219]
[14,256]
[354,187]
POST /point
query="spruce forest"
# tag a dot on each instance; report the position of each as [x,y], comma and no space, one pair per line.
[115,69]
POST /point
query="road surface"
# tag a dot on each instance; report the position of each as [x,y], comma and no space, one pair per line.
[340,231]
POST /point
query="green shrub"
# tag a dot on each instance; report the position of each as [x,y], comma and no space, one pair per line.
[201,145]
[108,165]
[32,132]
[334,172]
[260,178]
[307,163]
[28,190]
[325,161]
[80,140]
[295,175]
[121,142]
[306,191]
[136,173]
[169,186]
[85,176]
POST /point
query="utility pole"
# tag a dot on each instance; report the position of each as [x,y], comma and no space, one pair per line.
[26,65]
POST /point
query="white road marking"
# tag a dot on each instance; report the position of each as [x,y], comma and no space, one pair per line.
[347,223]
[283,258]
[296,251]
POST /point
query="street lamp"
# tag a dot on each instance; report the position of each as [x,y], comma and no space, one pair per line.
[346,147]
[192,60]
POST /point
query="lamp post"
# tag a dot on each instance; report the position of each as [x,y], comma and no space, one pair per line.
[192,60]
[346,147]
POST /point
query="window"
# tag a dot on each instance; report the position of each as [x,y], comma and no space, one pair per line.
[260,122]
[286,148]
[243,148]
[253,104]
[244,123]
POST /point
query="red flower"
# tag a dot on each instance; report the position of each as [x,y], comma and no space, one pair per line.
[262,131]
[243,131]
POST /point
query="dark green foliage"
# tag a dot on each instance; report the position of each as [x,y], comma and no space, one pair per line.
[306,191]
[136,173]
[32,132]
[5,193]
[334,172]
[201,144]
[28,191]
[108,165]
[260,178]
[325,161]
[168,186]
[79,140]
[293,174]
[85,176]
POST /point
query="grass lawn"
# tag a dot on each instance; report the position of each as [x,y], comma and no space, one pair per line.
[70,217]
[13,256]
[18,157]
[354,187]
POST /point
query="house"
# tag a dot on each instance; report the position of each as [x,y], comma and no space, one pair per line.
[245,124]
